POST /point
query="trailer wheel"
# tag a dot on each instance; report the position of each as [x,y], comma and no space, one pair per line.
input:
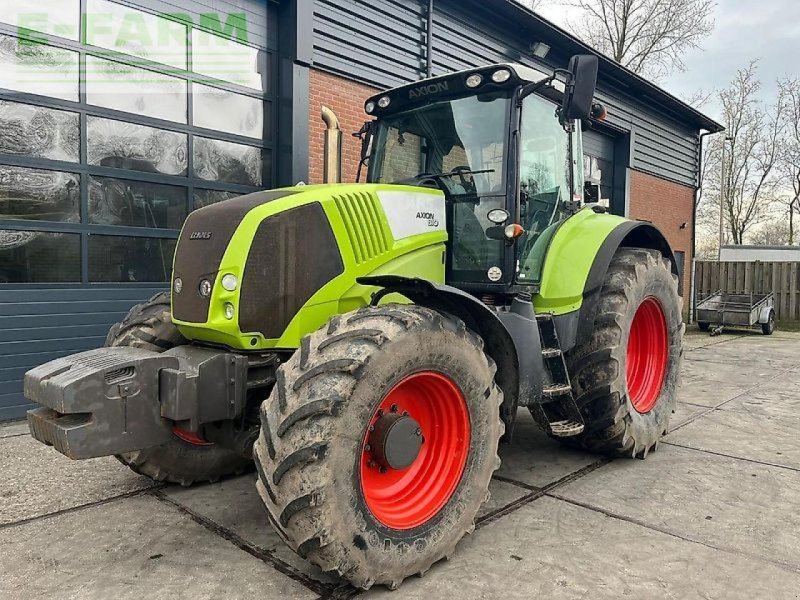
[378,442]
[768,328]
[187,458]
[625,377]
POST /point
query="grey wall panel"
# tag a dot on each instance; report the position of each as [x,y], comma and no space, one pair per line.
[375,42]
[38,325]
[381,42]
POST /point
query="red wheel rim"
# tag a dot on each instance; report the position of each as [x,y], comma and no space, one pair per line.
[409,497]
[648,346]
[190,437]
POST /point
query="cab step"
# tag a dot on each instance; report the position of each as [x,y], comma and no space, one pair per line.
[566,428]
[556,411]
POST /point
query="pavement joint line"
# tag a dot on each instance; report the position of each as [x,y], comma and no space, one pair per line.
[742,458]
[721,404]
[71,509]
[523,485]
[535,495]
[13,435]
[714,343]
[261,554]
[665,531]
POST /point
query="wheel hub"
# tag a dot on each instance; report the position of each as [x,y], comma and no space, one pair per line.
[415,450]
[395,441]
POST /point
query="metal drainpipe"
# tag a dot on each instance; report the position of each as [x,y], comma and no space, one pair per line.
[332,160]
[429,40]
[692,304]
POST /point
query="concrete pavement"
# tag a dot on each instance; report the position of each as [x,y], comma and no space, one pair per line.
[712,514]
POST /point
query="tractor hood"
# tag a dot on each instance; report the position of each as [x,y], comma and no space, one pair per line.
[254,271]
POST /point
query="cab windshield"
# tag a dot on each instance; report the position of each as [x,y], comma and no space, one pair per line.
[465,135]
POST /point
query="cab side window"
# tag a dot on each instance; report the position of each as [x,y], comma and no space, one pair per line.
[544,181]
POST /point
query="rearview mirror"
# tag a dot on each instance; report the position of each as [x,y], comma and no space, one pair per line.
[579,92]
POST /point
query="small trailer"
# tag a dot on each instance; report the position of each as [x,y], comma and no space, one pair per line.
[737,310]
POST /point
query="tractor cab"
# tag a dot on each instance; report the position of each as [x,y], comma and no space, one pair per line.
[503,143]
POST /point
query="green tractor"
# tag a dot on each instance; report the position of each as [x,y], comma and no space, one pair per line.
[368,345]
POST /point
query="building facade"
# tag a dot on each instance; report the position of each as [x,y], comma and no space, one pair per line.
[120,117]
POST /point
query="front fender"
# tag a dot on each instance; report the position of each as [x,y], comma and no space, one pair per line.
[576,263]
[498,342]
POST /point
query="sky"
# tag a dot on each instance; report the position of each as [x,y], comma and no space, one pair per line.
[744,29]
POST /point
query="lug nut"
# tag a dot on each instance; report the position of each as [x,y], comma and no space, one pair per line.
[367,448]
[393,408]
[382,470]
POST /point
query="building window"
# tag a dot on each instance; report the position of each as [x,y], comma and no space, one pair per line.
[53,17]
[39,257]
[225,111]
[123,87]
[130,259]
[39,132]
[136,203]
[225,59]
[37,194]
[121,145]
[35,68]
[122,29]
[216,160]
[104,149]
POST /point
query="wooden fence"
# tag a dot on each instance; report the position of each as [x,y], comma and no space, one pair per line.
[780,278]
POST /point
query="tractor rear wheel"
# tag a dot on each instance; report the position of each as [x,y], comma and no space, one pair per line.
[187,458]
[378,442]
[625,377]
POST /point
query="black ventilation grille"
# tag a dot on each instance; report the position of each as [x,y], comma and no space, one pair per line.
[201,246]
[294,253]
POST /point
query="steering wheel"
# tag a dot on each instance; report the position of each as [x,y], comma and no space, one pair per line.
[462,171]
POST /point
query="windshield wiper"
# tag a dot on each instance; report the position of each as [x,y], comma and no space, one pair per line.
[453,173]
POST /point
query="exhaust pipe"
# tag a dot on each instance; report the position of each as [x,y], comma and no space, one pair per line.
[332,167]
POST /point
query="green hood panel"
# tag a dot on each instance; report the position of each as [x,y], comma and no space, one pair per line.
[377,229]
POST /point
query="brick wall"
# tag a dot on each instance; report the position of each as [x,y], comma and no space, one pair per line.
[667,204]
[346,99]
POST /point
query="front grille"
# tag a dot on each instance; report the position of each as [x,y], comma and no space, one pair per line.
[201,246]
[364,231]
[293,254]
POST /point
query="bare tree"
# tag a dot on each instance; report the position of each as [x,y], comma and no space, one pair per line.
[753,138]
[789,160]
[649,37]
[531,4]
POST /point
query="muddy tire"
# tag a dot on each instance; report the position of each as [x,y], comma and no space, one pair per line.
[625,377]
[318,473]
[149,325]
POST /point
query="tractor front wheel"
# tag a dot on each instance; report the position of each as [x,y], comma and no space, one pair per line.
[378,442]
[625,376]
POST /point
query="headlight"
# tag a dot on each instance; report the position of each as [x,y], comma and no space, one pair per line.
[229,282]
[474,80]
[384,101]
[205,288]
[177,285]
[229,311]
[369,107]
[501,75]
